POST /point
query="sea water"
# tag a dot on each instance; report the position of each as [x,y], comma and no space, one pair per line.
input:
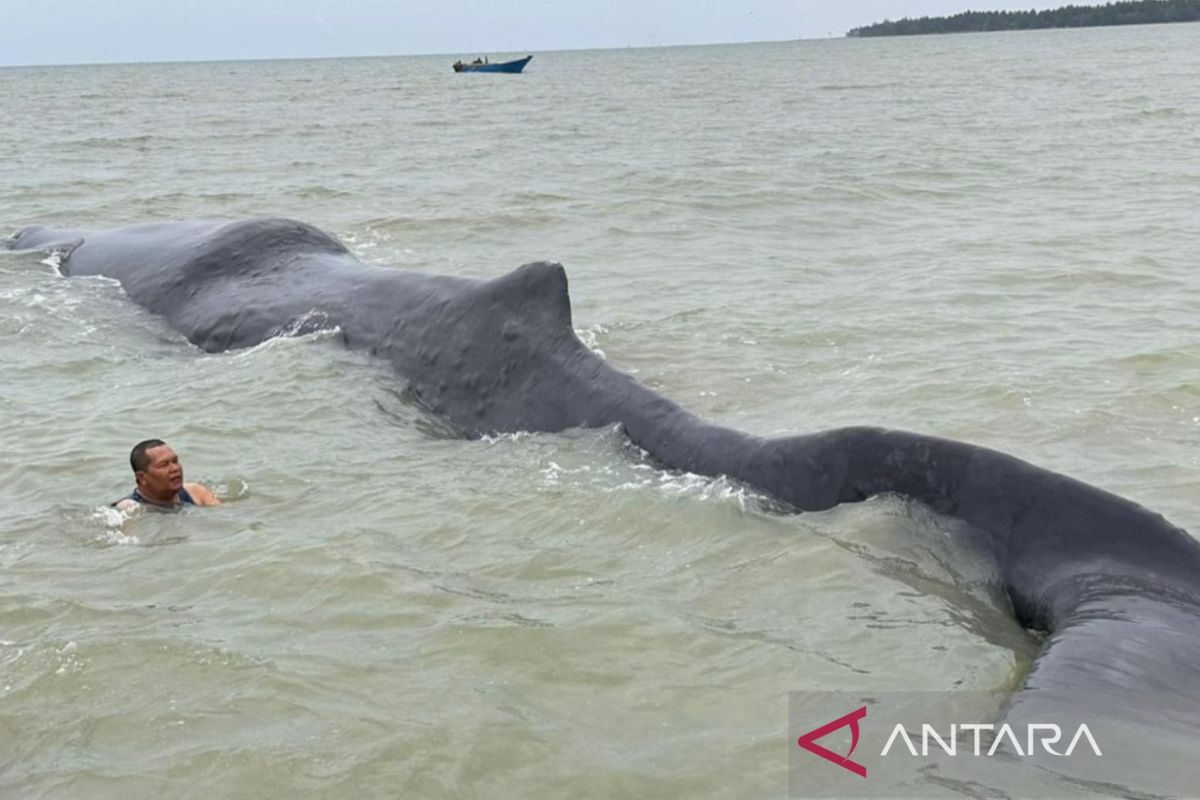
[986,237]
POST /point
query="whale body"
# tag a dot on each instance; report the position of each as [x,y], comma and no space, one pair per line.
[1115,585]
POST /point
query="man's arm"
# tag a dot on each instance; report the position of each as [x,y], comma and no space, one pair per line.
[202,494]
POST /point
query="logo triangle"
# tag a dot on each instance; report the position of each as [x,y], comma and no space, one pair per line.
[809,741]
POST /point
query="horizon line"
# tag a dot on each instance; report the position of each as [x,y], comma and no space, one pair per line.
[254,59]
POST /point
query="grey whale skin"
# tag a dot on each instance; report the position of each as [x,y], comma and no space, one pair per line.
[1115,585]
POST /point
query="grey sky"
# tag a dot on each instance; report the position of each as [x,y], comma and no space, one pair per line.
[92,31]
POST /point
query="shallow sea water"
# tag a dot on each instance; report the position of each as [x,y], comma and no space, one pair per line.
[985,237]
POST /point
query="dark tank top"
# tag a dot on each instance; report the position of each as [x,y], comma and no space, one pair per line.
[136,496]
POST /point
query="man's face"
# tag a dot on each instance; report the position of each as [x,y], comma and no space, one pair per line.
[164,475]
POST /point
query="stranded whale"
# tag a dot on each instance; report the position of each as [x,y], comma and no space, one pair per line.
[1115,585]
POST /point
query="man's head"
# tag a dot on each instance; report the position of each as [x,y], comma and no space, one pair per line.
[156,468]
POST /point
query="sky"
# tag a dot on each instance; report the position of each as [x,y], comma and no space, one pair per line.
[102,31]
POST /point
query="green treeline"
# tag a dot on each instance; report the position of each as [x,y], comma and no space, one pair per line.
[1125,13]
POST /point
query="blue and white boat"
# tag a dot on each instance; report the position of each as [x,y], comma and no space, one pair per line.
[479,65]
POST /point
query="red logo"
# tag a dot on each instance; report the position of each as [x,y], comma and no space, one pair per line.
[809,741]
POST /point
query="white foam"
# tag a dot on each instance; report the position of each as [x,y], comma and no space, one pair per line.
[590,336]
[54,260]
[114,521]
[68,660]
[692,486]
[497,438]
[294,331]
[552,474]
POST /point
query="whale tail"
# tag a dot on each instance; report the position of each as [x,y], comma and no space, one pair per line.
[1120,654]
[1126,666]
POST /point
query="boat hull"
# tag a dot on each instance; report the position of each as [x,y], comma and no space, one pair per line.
[504,66]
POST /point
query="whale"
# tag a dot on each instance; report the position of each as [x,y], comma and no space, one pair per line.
[1112,586]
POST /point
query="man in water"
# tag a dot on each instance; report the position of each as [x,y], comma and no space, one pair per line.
[159,477]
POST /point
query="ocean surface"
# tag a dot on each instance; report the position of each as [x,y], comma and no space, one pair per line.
[987,237]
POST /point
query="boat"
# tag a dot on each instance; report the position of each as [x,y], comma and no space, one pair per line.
[482,65]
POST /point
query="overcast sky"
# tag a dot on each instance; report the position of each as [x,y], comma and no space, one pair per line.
[95,31]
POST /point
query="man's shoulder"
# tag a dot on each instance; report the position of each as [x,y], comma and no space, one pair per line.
[201,494]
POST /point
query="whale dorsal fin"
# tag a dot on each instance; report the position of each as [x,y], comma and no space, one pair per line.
[536,292]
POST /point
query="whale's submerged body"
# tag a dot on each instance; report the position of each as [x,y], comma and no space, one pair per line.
[1115,584]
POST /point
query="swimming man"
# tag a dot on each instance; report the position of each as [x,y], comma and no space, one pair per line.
[159,477]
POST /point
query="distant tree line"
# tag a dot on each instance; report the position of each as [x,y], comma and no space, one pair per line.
[1126,13]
